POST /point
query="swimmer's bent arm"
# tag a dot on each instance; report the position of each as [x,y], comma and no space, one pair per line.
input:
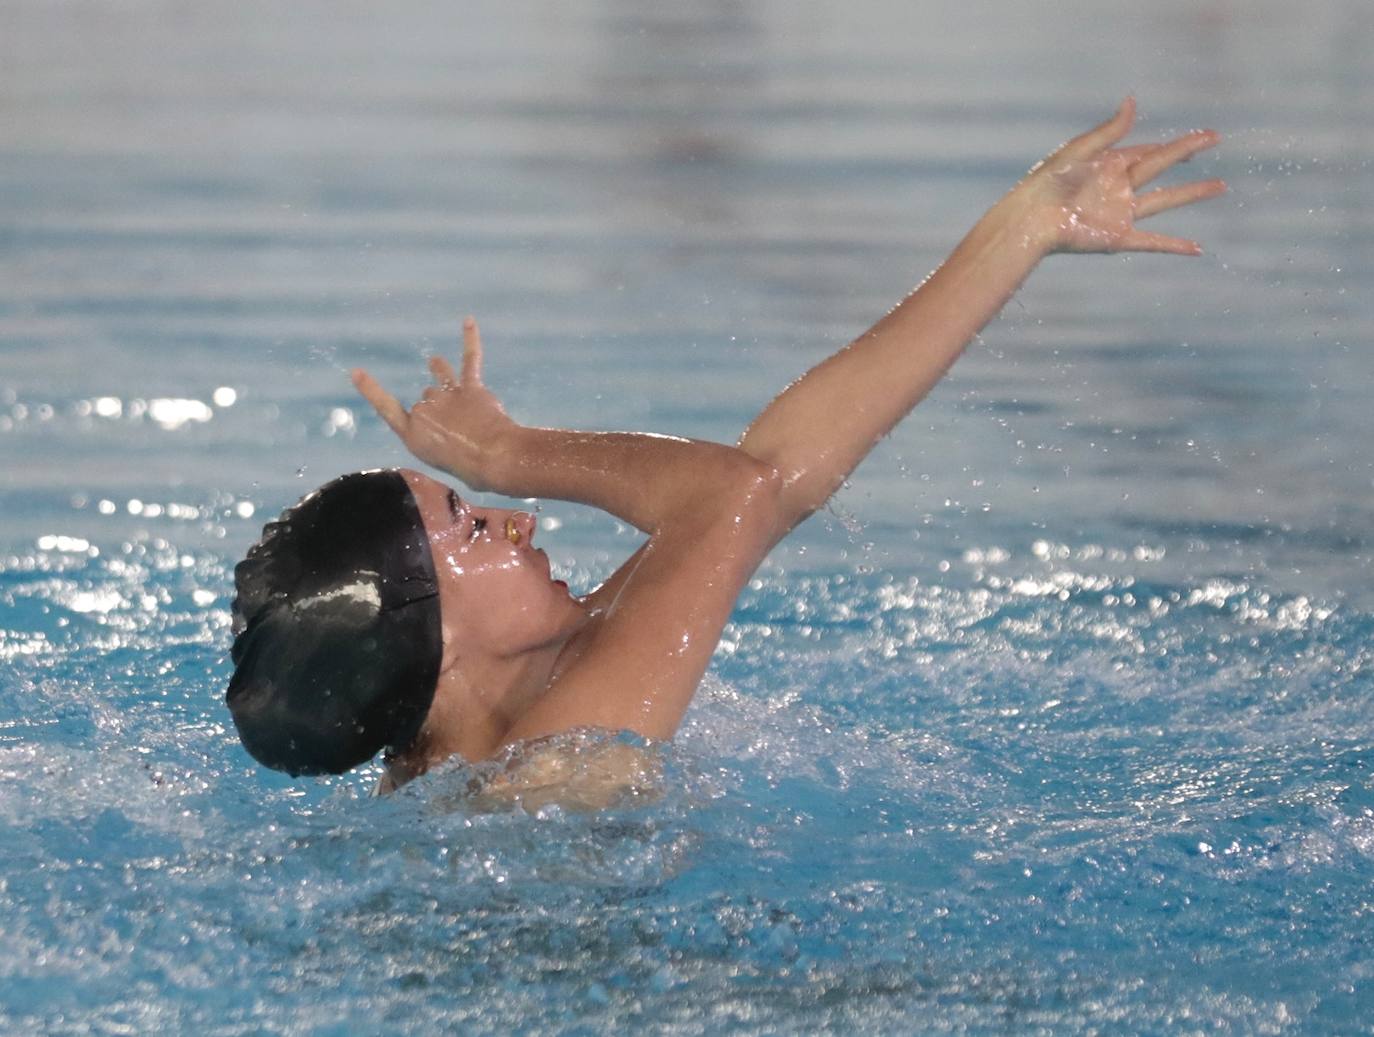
[651,481]
[648,480]
[654,625]
[1080,199]
[710,510]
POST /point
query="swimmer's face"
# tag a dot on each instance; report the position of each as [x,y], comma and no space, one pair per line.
[495,587]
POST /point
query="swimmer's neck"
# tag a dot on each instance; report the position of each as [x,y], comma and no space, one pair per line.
[476,703]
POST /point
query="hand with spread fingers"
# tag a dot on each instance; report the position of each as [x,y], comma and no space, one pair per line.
[1087,193]
[457,425]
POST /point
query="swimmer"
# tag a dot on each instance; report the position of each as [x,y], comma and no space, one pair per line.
[388,613]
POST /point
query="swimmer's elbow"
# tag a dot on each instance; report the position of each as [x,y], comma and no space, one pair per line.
[740,493]
[759,481]
[756,495]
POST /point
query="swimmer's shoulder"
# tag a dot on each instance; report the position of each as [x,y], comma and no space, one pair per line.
[584,770]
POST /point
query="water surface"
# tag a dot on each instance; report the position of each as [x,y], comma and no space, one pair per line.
[1057,722]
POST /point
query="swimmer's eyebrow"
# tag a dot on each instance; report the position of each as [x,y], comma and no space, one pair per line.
[454,504]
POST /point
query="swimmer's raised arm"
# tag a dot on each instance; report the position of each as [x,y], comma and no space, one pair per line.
[459,426]
[713,512]
[1082,198]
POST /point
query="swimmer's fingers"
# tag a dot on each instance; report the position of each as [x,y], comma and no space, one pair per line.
[1144,241]
[1153,161]
[472,352]
[1172,197]
[1133,153]
[1100,138]
[382,402]
[442,371]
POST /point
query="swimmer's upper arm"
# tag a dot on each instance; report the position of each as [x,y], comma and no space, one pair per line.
[640,662]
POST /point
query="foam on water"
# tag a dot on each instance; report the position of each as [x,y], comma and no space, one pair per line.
[1036,793]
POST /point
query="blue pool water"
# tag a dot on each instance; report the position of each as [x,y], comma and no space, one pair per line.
[1058,720]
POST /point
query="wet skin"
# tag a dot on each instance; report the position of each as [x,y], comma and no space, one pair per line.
[524,660]
[495,587]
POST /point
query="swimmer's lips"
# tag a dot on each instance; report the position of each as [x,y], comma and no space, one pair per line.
[548,568]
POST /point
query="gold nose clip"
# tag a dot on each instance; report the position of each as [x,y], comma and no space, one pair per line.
[512,533]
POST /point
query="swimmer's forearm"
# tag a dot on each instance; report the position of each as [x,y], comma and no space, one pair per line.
[645,479]
[824,424]
[1085,197]
[649,481]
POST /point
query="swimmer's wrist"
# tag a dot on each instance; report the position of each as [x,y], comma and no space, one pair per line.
[502,458]
[1026,223]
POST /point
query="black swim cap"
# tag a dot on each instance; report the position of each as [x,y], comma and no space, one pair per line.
[337,635]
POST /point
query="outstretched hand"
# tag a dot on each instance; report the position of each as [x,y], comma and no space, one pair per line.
[457,425]
[1085,194]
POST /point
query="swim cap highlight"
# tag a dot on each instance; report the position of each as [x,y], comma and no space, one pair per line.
[337,634]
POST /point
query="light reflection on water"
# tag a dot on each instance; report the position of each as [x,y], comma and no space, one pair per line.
[1055,721]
